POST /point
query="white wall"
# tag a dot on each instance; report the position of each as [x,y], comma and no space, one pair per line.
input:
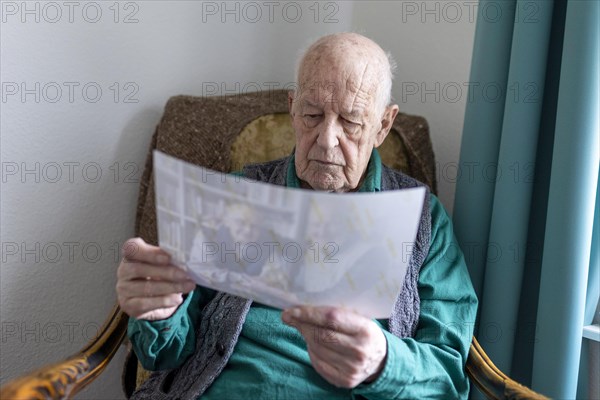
[53,301]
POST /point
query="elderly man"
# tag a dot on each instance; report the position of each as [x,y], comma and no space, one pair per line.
[220,346]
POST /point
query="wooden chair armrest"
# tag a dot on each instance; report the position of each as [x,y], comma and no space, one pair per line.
[62,380]
[491,381]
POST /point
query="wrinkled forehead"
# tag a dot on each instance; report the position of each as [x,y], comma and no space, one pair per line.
[346,85]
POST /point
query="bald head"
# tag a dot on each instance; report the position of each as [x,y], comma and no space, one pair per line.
[346,53]
[340,110]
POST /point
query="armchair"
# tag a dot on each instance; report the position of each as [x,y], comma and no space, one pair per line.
[224,133]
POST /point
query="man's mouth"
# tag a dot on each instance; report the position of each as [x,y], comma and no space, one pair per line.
[329,163]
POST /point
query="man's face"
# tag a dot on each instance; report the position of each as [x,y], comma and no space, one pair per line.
[337,123]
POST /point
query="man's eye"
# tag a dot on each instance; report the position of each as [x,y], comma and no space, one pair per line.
[347,121]
[312,116]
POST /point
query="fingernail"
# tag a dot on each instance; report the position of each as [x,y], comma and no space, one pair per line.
[295,312]
[162,259]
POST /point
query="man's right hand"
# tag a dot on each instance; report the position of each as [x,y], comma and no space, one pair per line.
[148,286]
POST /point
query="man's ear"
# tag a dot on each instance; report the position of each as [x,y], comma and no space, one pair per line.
[387,120]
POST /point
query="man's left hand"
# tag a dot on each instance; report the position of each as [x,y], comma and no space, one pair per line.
[344,347]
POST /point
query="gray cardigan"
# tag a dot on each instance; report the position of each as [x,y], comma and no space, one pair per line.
[223,317]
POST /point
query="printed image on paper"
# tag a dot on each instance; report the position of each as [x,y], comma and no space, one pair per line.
[284,246]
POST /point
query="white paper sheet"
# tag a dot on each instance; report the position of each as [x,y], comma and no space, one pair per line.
[283,246]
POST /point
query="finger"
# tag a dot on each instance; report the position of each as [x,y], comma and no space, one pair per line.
[141,305]
[323,335]
[152,288]
[158,314]
[137,271]
[338,319]
[137,249]
[349,347]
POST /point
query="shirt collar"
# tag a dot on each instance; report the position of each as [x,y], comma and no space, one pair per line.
[372,182]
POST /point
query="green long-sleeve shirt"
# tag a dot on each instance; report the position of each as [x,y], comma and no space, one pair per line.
[270,359]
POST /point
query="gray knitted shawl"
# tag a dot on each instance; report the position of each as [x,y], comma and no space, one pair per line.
[224,315]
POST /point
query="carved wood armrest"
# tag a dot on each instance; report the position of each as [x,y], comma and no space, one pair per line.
[491,381]
[62,380]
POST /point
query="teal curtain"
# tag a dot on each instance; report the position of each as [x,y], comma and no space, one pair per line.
[526,191]
[592,306]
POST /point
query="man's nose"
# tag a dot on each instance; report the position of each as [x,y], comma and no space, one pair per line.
[329,134]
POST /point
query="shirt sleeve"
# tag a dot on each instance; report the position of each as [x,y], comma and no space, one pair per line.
[431,365]
[167,343]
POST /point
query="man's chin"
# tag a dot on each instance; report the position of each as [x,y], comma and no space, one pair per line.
[327,184]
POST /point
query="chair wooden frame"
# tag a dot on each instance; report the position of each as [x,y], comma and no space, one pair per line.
[64,379]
